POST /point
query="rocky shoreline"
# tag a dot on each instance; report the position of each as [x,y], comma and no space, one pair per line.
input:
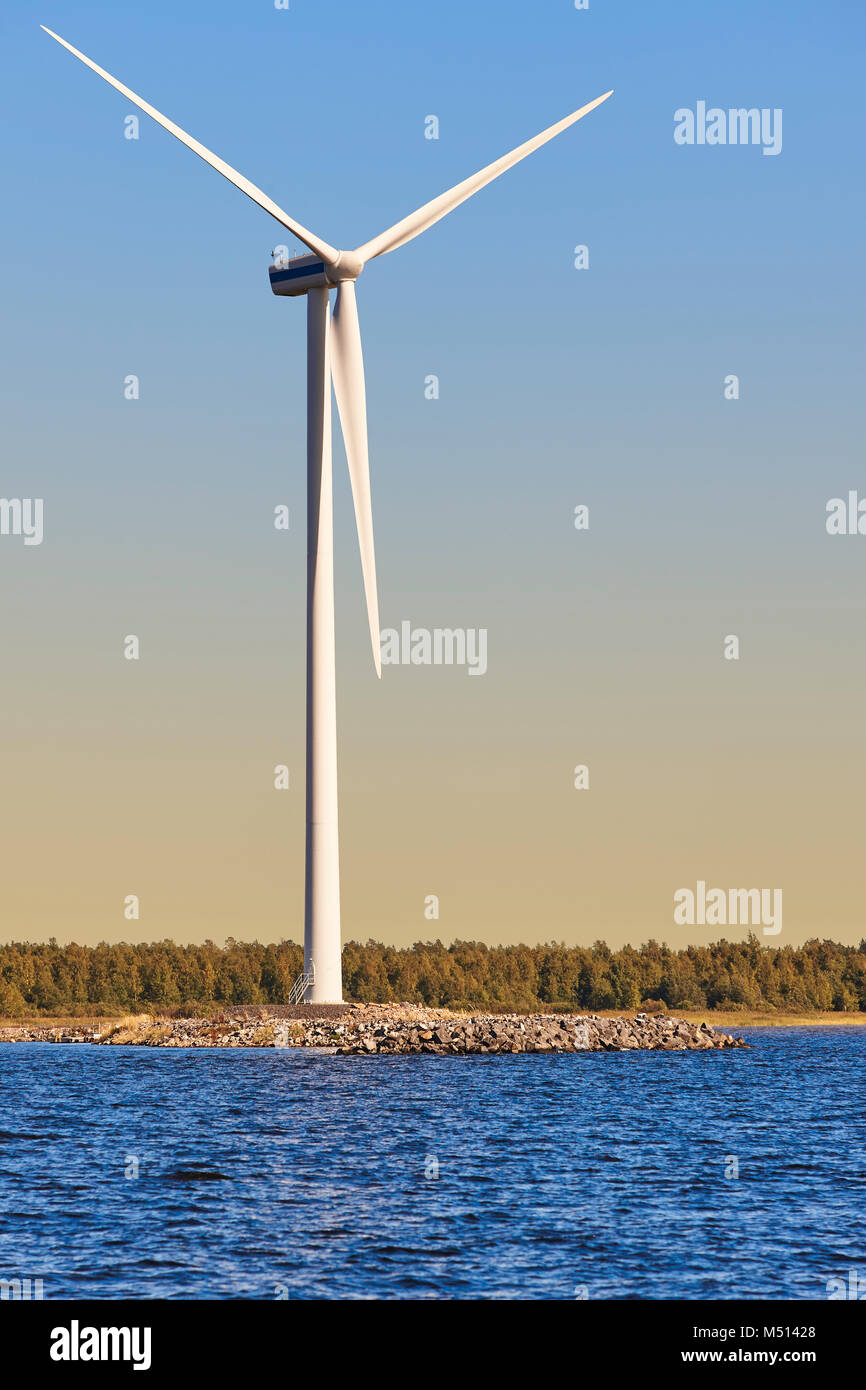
[390,1029]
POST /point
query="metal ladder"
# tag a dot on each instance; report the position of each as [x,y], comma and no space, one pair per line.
[299,988]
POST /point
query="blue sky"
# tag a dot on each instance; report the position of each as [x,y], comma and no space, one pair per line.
[557,386]
[323,105]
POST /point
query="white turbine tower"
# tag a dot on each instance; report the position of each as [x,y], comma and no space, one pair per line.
[333,351]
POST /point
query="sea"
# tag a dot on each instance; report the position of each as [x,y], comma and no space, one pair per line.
[276,1174]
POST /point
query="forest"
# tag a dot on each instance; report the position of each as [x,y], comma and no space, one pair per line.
[107,979]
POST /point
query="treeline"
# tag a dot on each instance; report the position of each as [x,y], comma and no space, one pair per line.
[110,979]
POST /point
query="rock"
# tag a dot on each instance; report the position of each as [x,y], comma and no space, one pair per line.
[389,1029]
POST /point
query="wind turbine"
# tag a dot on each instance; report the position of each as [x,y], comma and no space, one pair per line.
[333,351]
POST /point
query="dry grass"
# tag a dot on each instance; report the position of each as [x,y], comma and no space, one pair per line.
[151,1037]
[754,1018]
[128,1029]
[57,1021]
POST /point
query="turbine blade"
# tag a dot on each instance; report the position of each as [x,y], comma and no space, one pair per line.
[347,369]
[321,248]
[437,208]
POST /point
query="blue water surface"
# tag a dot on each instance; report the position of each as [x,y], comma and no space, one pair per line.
[145,1172]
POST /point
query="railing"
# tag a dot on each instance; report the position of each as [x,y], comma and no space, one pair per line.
[281,261]
[302,983]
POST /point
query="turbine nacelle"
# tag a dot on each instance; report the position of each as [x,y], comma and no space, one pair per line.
[297,276]
[302,273]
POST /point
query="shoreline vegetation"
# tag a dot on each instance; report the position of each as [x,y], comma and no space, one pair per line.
[735,982]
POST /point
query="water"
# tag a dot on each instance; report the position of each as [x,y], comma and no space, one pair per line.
[269,1172]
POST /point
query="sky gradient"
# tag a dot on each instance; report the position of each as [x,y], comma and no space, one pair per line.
[558,387]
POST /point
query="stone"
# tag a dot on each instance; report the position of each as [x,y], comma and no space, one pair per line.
[367,1029]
